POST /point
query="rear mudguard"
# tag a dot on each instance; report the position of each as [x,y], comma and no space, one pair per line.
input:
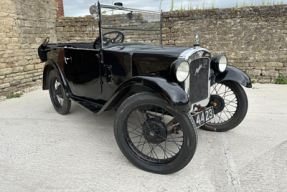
[232,74]
[171,92]
[50,65]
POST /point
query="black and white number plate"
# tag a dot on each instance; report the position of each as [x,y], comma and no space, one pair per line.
[204,116]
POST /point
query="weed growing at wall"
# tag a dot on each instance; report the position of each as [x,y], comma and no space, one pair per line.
[281,80]
[205,5]
[12,95]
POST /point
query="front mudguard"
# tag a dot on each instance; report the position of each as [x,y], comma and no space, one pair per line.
[171,92]
[232,74]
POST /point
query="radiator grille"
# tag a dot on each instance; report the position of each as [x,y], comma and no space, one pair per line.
[198,79]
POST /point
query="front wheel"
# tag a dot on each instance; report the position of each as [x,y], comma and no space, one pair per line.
[153,136]
[57,93]
[231,105]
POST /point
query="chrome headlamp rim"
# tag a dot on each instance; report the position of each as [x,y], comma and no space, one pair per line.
[182,71]
[179,70]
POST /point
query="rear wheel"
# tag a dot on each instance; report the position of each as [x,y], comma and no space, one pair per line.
[57,94]
[231,105]
[153,136]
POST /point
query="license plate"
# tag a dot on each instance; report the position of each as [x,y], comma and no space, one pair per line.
[200,118]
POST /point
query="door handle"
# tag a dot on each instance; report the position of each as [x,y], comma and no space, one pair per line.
[68,59]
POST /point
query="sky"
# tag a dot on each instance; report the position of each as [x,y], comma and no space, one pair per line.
[75,8]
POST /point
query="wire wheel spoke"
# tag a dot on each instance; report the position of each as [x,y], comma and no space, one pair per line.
[148,136]
[230,107]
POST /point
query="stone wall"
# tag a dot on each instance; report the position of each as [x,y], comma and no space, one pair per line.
[23,25]
[253,38]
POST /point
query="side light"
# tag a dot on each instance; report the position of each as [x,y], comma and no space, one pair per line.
[219,63]
[94,11]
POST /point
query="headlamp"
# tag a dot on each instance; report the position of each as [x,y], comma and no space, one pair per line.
[182,71]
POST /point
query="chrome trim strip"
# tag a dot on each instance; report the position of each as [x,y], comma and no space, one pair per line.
[128,9]
[187,53]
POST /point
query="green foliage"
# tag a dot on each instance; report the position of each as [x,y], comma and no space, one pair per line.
[281,80]
[213,4]
[160,4]
[12,95]
[172,4]
[190,6]
[244,4]
[203,5]
[253,81]
[206,5]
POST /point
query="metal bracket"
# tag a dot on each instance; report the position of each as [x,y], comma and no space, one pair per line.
[67,59]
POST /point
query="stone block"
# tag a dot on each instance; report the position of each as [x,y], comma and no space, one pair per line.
[7,80]
[253,72]
[28,67]
[2,66]
[257,64]
[6,71]
[26,80]
[15,83]
[274,64]
[5,85]
[18,77]
[270,73]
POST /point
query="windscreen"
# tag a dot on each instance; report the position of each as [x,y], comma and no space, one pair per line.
[127,26]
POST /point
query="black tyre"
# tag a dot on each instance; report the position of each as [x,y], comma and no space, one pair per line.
[153,136]
[232,105]
[57,94]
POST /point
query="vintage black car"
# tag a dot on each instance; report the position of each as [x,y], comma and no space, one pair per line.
[161,93]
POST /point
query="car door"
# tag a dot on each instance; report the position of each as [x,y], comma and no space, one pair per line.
[84,77]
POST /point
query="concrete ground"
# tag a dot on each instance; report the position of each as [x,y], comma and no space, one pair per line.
[41,150]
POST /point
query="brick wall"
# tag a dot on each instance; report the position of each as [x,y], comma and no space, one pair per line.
[60,12]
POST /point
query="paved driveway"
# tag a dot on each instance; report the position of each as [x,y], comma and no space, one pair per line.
[41,150]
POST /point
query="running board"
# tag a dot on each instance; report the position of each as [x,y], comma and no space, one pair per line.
[88,105]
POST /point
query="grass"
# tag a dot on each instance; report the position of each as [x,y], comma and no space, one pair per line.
[160,5]
[281,80]
[205,5]
[253,81]
[14,95]
[172,4]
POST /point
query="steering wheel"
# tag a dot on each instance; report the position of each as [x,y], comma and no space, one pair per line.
[106,41]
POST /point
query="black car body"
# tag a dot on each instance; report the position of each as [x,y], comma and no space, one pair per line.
[110,75]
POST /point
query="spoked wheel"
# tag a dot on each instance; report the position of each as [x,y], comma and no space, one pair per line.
[231,105]
[154,137]
[57,94]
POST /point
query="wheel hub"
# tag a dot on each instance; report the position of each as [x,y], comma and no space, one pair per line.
[220,104]
[154,130]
